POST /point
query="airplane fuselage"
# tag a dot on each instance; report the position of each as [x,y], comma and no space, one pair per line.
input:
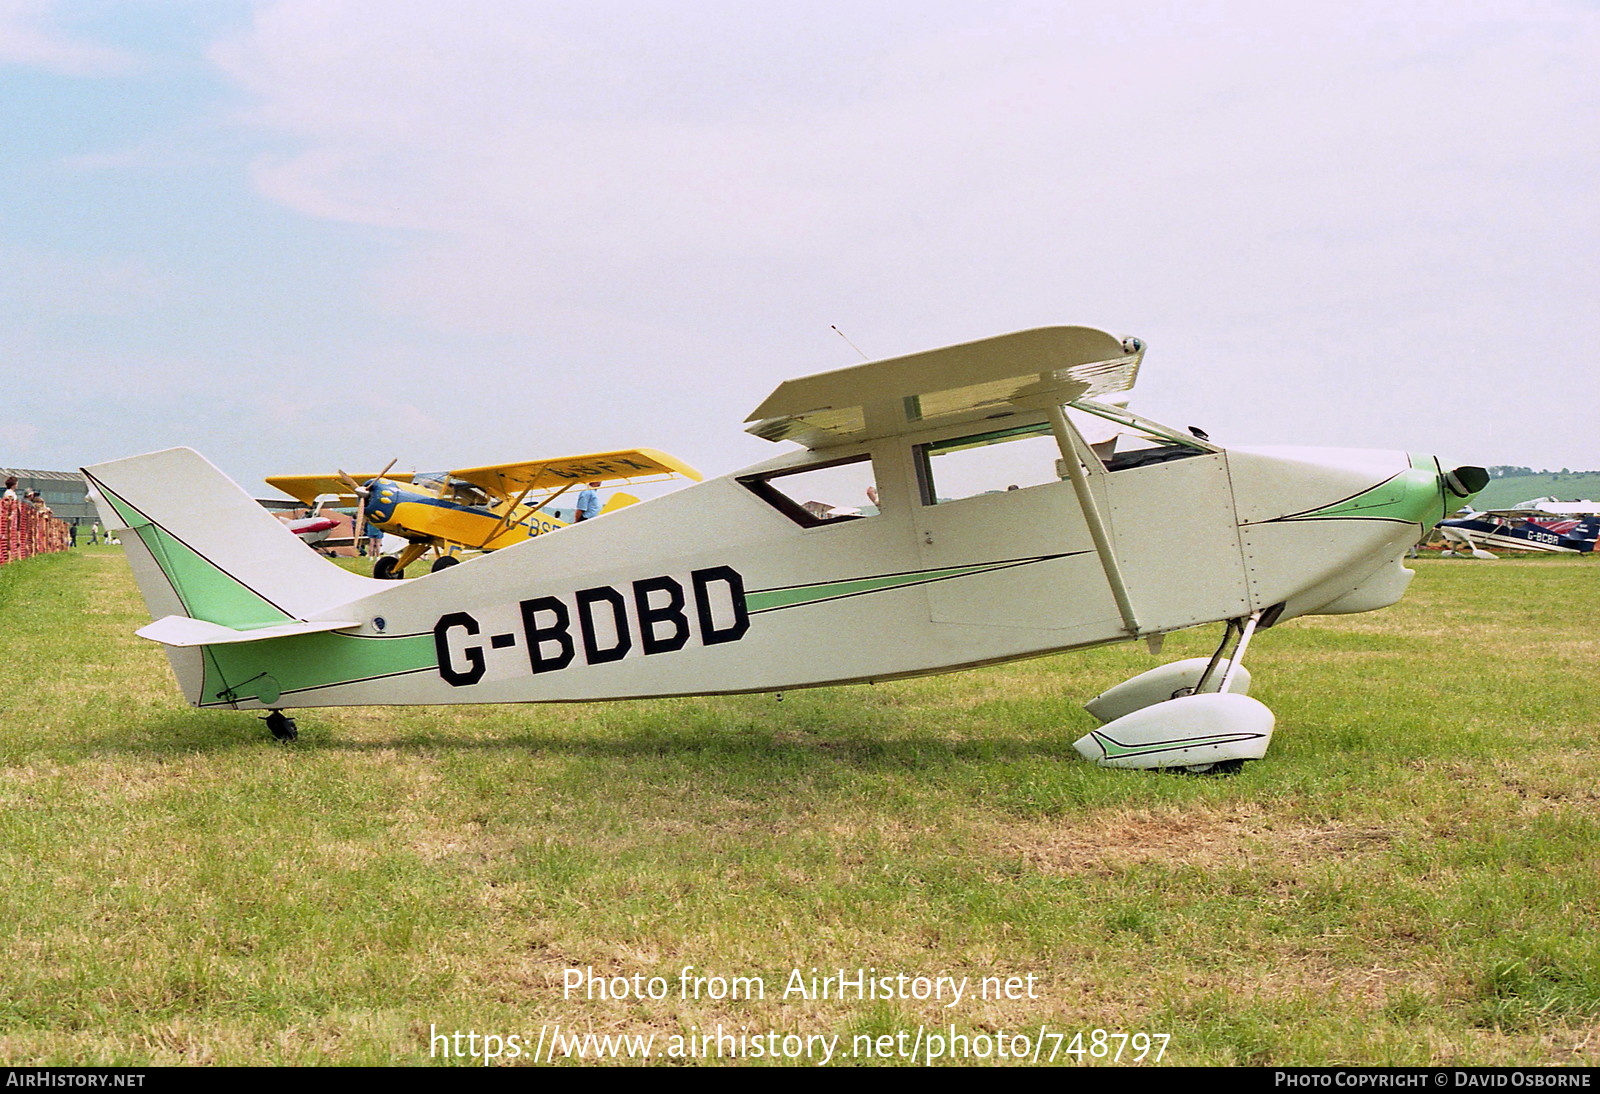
[715,589]
[425,516]
[1484,530]
[962,506]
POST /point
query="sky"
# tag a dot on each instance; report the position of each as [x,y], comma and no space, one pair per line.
[305,234]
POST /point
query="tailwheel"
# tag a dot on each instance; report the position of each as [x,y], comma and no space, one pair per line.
[282,726]
[387,569]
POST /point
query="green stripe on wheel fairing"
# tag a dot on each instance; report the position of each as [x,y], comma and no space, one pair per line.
[1114,750]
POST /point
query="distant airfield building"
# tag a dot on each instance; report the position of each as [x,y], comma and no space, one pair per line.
[65,492]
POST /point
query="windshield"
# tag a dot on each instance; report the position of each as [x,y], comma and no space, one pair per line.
[1122,439]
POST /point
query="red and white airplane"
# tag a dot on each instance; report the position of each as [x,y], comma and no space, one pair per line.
[316,531]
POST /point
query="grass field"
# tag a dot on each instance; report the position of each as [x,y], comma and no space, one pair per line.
[1516,489]
[1409,877]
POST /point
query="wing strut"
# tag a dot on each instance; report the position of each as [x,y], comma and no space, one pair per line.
[505,518]
[1075,456]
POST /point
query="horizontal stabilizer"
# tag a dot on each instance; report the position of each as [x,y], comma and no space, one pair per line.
[177,630]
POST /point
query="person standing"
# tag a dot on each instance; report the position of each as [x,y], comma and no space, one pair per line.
[588,503]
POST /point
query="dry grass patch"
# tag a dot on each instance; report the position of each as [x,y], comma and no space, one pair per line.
[1232,835]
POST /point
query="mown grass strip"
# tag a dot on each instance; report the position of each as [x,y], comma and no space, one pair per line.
[1408,877]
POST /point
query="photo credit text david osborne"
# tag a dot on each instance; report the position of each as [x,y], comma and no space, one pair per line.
[1436,1078]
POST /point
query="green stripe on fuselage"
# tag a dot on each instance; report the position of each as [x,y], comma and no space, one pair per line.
[1415,495]
[769,599]
[307,661]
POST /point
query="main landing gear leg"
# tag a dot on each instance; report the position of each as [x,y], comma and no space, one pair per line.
[393,568]
[282,726]
[1192,714]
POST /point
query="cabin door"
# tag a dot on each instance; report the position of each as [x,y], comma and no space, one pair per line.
[1177,541]
[995,503]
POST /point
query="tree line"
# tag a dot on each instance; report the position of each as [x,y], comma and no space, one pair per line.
[1506,471]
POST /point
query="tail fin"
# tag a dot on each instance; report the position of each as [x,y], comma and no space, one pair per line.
[618,500]
[201,547]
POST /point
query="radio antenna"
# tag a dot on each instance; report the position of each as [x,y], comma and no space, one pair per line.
[851,344]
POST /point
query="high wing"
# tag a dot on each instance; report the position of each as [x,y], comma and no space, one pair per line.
[634,465]
[974,380]
[1583,508]
[308,488]
[1523,514]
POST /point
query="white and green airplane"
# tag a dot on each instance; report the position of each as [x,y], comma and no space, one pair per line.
[965,506]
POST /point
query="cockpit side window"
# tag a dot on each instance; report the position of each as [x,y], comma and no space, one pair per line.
[820,495]
[993,462]
[465,493]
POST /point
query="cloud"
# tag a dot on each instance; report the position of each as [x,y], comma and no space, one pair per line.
[1326,191]
[28,40]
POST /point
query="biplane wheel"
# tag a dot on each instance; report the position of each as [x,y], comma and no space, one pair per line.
[444,562]
[282,726]
[385,569]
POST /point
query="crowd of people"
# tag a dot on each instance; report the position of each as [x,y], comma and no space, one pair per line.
[29,527]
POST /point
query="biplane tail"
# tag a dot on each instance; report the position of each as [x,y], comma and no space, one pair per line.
[213,565]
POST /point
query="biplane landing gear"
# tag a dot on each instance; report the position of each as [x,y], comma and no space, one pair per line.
[392,567]
[282,726]
[1191,714]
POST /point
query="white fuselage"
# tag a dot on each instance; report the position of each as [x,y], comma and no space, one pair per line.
[713,589]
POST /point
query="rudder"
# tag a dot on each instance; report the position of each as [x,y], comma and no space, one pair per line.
[201,547]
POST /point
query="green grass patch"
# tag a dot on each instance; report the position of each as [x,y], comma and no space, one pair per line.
[1516,489]
[1408,877]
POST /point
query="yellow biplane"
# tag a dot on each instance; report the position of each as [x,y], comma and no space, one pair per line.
[479,508]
